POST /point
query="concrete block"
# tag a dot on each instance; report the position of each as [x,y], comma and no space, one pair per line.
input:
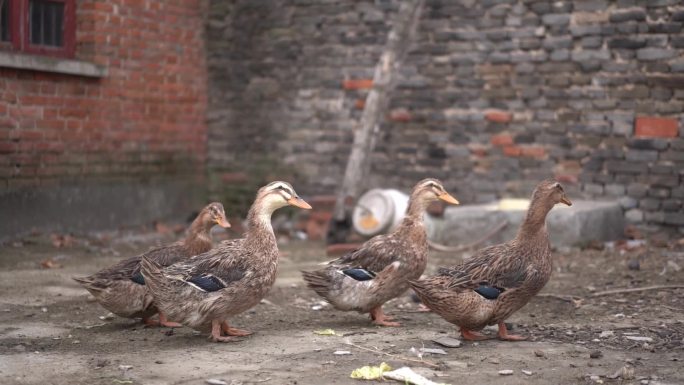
[577,225]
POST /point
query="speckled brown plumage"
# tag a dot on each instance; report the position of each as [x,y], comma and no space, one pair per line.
[518,269]
[204,291]
[391,260]
[114,287]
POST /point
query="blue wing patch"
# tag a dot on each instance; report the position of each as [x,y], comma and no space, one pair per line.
[138,278]
[207,283]
[359,274]
[488,292]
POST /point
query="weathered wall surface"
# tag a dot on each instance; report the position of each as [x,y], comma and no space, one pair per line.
[495,96]
[134,131]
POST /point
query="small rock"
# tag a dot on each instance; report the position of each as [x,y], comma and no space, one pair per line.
[101,363]
[20,348]
[606,334]
[595,354]
[494,361]
[448,342]
[107,317]
[634,264]
[457,364]
[526,372]
[214,381]
[159,362]
[342,353]
[539,353]
[125,367]
[433,351]
[596,379]
[506,372]
[639,338]
[316,307]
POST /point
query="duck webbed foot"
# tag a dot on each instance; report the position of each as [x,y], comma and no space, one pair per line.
[230,331]
[470,335]
[382,319]
[503,334]
[216,329]
[163,321]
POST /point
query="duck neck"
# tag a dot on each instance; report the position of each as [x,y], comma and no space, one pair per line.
[534,225]
[414,214]
[259,228]
[198,238]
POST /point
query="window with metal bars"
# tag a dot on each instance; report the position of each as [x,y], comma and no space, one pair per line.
[46,27]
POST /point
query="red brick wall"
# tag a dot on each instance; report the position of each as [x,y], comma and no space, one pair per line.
[146,117]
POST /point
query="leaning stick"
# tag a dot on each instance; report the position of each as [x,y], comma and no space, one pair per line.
[637,289]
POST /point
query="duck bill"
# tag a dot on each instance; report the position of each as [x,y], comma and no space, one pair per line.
[566,201]
[223,222]
[299,202]
[446,197]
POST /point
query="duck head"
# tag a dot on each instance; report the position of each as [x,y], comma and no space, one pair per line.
[213,214]
[430,190]
[279,194]
[551,191]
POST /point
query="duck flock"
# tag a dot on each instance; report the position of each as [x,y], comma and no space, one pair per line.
[189,283]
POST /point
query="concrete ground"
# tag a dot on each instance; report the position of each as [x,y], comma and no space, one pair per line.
[51,332]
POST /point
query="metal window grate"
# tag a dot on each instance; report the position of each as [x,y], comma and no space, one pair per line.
[46,19]
[4,21]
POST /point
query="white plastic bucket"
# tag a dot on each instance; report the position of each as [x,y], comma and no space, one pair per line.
[379,211]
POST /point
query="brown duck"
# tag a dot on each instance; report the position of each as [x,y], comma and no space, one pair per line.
[121,288]
[498,280]
[204,291]
[380,269]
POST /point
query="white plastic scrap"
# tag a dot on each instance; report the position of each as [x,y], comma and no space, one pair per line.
[408,376]
[214,381]
[639,338]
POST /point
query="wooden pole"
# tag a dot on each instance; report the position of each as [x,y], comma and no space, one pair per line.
[358,166]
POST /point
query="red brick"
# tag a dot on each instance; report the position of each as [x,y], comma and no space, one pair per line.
[534,151]
[498,116]
[234,177]
[566,178]
[478,150]
[6,147]
[512,151]
[503,139]
[647,126]
[357,84]
[400,115]
[360,104]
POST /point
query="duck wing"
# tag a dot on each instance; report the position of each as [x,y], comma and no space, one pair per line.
[492,267]
[372,257]
[213,270]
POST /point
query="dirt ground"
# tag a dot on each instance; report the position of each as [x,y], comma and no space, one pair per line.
[51,332]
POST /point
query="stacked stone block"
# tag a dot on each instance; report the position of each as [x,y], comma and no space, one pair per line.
[494,96]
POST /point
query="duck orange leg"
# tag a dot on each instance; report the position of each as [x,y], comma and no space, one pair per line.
[163,321]
[503,334]
[470,335]
[230,331]
[216,333]
[150,322]
[380,318]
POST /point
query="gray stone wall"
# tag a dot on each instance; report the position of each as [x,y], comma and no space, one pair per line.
[494,96]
